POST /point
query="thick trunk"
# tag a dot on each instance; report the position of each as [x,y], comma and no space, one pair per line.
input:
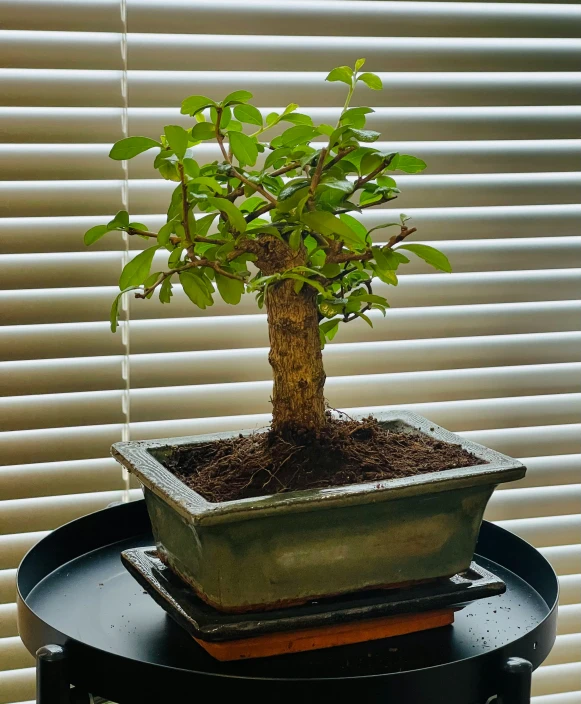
[296,359]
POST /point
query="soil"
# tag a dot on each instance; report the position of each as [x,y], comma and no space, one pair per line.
[345,452]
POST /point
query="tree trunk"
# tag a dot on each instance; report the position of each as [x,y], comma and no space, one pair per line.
[296,359]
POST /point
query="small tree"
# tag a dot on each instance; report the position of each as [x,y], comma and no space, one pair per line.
[309,262]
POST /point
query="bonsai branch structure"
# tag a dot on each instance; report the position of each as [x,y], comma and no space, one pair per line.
[279,212]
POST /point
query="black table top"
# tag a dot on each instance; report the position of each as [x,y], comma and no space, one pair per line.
[74,591]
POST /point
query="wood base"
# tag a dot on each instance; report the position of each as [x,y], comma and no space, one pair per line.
[328,636]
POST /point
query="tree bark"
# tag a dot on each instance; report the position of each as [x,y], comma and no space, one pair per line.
[296,360]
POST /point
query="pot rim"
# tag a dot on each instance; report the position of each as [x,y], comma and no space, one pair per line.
[137,457]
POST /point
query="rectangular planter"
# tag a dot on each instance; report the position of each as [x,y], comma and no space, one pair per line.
[264,552]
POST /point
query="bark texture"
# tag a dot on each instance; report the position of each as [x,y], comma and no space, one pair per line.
[296,359]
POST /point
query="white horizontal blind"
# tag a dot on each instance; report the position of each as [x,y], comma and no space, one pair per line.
[62,104]
[487,93]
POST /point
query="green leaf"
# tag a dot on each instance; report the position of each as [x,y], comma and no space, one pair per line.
[386,182]
[137,269]
[114,316]
[204,224]
[120,221]
[225,117]
[430,255]
[276,155]
[389,258]
[383,226]
[357,227]
[243,147]
[177,138]
[291,107]
[131,146]
[338,184]
[235,217]
[209,182]
[341,73]
[292,194]
[328,224]
[371,80]
[251,204]
[165,290]
[292,187]
[365,135]
[407,163]
[195,103]
[355,117]
[191,167]
[202,131]
[231,290]
[115,308]
[365,317]
[328,330]
[359,64]
[305,280]
[238,96]
[95,233]
[195,288]
[248,114]
[174,258]
[295,239]
[299,134]
[372,298]
[164,234]
[298,118]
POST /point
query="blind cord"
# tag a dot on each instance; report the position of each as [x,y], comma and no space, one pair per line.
[125,326]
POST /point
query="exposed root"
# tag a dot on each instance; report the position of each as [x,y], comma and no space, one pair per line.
[344,452]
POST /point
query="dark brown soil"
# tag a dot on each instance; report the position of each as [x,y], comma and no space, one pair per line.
[346,452]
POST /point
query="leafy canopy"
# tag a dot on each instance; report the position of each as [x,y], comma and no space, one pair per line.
[298,191]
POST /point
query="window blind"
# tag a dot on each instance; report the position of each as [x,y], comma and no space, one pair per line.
[486,93]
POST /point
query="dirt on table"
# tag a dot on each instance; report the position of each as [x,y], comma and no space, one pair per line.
[345,452]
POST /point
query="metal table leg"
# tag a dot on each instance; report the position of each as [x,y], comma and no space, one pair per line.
[52,686]
[516,682]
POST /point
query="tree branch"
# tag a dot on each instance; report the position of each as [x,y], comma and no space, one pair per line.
[336,159]
[185,206]
[367,205]
[236,173]
[318,171]
[197,263]
[405,232]
[174,239]
[343,257]
[365,179]
[285,169]
[257,213]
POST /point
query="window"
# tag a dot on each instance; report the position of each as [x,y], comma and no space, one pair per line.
[486,93]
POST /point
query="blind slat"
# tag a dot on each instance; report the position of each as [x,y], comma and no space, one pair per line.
[206,400]
[235,365]
[91,125]
[164,88]
[405,123]
[546,222]
[177,52]
[336,17]
[13,654]
[46,341]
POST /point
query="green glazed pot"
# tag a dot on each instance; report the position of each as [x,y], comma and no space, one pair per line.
[261,553]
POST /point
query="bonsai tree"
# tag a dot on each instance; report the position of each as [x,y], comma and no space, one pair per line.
[275,218]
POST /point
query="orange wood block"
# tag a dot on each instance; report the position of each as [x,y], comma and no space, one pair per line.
[327,636]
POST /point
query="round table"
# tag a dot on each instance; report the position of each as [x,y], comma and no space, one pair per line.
[93,627]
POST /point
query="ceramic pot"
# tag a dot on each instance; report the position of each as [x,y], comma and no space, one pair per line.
[262,553]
